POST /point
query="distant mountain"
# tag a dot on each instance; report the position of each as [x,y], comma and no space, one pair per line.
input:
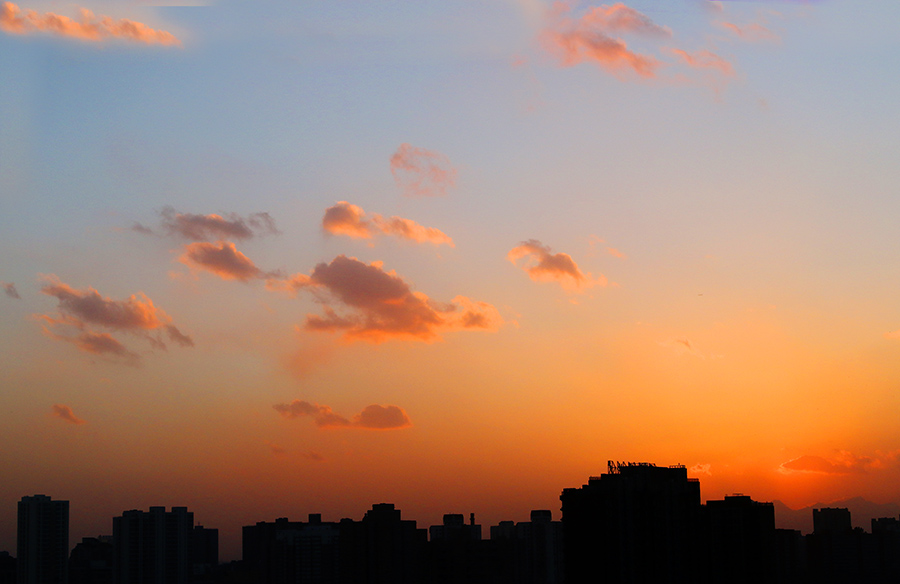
[861,513]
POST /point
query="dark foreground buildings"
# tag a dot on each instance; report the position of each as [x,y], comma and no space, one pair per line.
[636,524]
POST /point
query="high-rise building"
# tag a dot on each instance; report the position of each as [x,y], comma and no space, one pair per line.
[43,541]
[739,540]
[637,523]
[153,547]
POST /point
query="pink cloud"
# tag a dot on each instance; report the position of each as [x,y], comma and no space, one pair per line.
[343,218]
[422,173]
[373,417]
[380,305]
[213,227]
[79,310]
[750,32]
[223,260]
[705,60]
[544,266]
[591,38]
[87,28]
[65,413]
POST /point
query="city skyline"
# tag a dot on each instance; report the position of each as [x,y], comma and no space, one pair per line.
[299,258]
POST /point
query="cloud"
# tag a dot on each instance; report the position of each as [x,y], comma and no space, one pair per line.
[88,306]
[704,60]
[80,310]
[223,260]
[314,456]
[214,227]
[750,32]
[275,448]
[380,305]
[892,335]
[701,469]
[87,27]
[343,218]
[591,38]
[65,413]
[544,266]
[422,173]
[10,290]
[373,417]
[843,462]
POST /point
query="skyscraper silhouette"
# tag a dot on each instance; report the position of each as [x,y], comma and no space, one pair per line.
[638,523]
[153,547]
[43,541]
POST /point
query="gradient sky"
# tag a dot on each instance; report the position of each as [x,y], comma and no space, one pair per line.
[266,259]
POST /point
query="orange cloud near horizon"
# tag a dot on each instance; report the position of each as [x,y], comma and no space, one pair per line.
[88,28]
[344,218]
[373,417]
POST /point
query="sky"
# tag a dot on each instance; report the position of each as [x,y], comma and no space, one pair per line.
[265,259]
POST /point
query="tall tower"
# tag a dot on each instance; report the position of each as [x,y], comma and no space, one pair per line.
[153,547]
[43,541]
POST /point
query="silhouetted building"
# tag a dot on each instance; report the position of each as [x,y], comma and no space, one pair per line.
[153,547]
[455,553]
[7,568]
[530,552]
[91,561]
[739,540]
[383,548]
[43,541]
[790,557]
[283,551]
[637,523]
[831,520]
[204,553]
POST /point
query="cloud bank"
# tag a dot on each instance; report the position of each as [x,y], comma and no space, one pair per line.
[379,305]
[843,462]
[87,28]
[344,218]
[422,173]
[373,417]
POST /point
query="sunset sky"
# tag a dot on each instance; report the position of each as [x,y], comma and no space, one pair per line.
[265,259]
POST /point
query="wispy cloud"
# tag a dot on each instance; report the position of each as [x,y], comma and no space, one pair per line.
[704,60]
[842,462]
[87,27]
[422,173]
[754,32]
[10,290]
[223,260]
[65,413]
[211,227]
[373,417]
[80,310]
[542,265]
[592,38]
[344,218]
[380,305]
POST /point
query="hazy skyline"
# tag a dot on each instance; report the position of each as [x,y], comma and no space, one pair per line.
[450,255]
